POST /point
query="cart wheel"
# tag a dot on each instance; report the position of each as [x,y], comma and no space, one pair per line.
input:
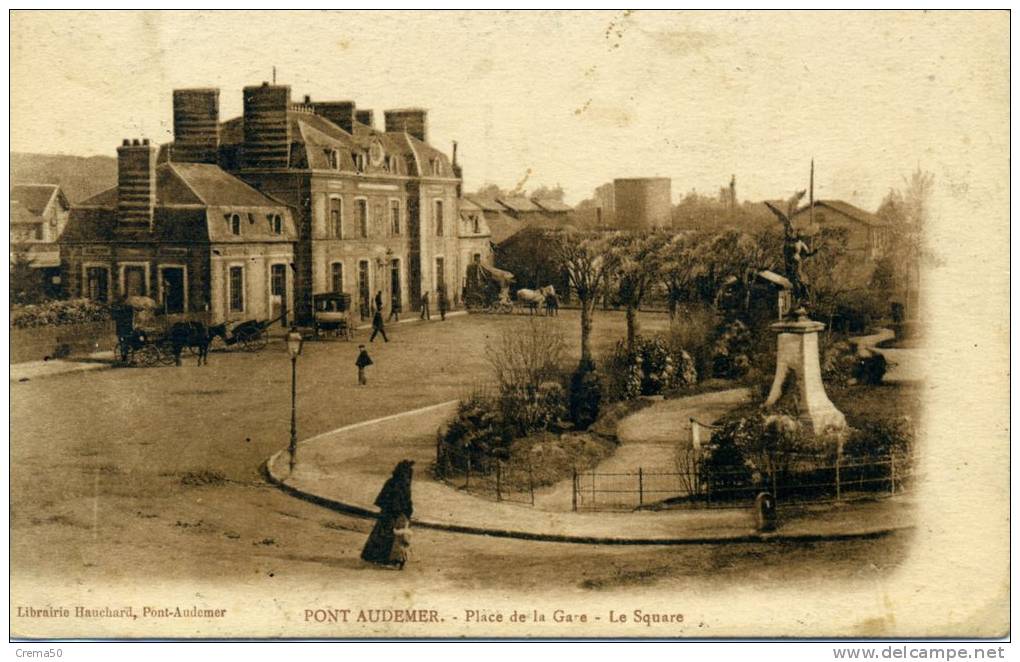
[166,353]
[148,355]
[254,341]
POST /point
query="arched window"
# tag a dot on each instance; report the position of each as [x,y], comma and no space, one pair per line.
[235,224]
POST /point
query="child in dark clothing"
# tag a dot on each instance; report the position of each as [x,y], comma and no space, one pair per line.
[363,361]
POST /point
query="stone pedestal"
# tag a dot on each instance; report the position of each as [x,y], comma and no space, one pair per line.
[798,354]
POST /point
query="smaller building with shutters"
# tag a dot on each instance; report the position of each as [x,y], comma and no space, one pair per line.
[194,238]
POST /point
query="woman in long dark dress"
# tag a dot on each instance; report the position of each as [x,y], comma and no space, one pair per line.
[394,502]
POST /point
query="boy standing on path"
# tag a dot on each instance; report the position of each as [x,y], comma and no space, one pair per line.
[377,326]
[363,361]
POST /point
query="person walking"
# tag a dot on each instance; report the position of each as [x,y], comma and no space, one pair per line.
[394,310]
[378,300]
[443,303]
[377,326]
[363,361]
[389,541]
[425,306]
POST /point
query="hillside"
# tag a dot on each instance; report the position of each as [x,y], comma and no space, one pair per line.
[79,176]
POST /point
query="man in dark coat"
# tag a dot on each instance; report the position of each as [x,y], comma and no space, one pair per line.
[377,326]
[378,300]
[443,303]
[394,502]
[363,361]
[395,310]
[425,306]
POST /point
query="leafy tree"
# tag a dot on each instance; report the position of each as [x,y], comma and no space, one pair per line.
[26,282]
[548,193]
[636,258]
[590,265]
[681,260]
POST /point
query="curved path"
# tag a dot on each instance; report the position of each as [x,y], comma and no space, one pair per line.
[344,470]
[905,365]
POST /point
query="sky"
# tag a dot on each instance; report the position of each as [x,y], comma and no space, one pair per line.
[568,98]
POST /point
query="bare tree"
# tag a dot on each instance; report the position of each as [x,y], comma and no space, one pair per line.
[590,265]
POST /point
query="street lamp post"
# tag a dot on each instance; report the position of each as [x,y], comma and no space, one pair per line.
[294,342]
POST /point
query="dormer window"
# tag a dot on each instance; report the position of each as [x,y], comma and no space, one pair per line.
[333,159]
[235,224]
[474,224]
[359,158]
[275,223]
[437,167]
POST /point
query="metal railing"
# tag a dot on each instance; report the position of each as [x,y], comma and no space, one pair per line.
[808,481]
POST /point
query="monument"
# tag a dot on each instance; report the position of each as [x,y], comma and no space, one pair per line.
[797,347]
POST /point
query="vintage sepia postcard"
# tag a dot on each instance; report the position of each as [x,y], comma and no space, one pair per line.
[516,324]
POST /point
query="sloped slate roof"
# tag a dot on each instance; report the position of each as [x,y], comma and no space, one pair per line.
[847,209]
[552,205]
[34,197]
[518,204]
[22,216]
[487,204]
[504,226]
[467,205]
[214,187]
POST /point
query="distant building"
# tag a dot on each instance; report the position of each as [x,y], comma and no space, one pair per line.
[189,235]
[39,214]
[867,235]
[509,215]
[642,203]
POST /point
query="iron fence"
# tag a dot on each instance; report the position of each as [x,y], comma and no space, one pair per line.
[500,480]
[800,482]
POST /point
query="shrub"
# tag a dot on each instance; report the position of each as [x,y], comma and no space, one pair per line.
[731,350]
[527,409]
[693,330]
[876,440]
[72,311]
[653,367]
[839,363]
[478,433]
[871,369]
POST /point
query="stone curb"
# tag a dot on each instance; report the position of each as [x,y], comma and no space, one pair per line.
[372,513]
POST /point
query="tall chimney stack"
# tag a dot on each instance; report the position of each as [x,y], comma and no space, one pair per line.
[340,113]
[136,185]
[414,121]
[266,129]
[366,117]
[196,125]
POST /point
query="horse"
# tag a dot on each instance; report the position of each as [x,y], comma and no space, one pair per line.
[534,299]
[194,335]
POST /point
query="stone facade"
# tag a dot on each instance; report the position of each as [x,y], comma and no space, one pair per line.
[370,210]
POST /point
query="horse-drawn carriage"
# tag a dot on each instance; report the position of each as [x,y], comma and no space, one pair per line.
[332,313]
[488,290]
[143,338]
[139,338]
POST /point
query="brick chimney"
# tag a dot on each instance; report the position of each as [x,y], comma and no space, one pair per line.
[340,113]
[196,125]
[136,184]
[366,117]
[266,129]
[414,121]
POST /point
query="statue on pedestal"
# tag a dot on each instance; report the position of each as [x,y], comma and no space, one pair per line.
[797,356]
[795,250]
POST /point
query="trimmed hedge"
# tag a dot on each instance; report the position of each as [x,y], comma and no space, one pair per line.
[55,313]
